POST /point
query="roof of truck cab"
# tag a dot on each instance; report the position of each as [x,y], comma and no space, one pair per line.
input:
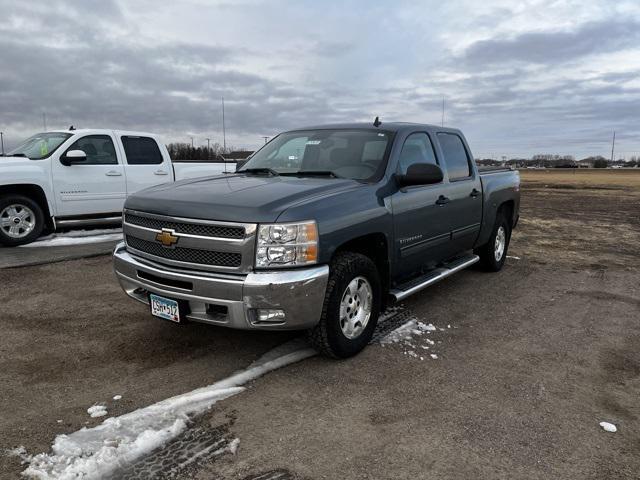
[384,126]
[105,131]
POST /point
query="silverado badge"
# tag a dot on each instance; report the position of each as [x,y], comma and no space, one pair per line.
[167,237]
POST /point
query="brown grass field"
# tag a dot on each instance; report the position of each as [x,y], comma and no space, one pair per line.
[585,178]
[587,217]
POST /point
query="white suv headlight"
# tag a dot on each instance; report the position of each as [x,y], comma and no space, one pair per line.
[287,244]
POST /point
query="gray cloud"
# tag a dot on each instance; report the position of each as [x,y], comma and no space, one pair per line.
[89,64]
[556,46]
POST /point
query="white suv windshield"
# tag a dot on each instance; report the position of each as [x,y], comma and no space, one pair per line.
[355,154]
[39,146]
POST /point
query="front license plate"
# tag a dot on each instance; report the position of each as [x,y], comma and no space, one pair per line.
[164,308]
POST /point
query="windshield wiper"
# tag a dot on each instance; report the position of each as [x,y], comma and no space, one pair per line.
[259,171]
[319,173]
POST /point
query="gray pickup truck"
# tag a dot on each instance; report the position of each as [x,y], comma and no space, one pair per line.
[319,231]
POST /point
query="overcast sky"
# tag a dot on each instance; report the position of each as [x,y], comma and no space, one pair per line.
[519,78]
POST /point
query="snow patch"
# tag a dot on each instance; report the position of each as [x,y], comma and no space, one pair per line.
[410,332]
[117,397]
[77,237]
[97,411]
[92,453]
[233,446]
[609,427]
[513,258]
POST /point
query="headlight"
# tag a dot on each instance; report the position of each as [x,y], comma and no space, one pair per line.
[287,244]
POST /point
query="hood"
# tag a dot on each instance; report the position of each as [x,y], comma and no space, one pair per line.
[13,161]
[235,197]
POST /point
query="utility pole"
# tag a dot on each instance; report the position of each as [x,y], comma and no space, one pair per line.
[613,145]
[224,132]
[44,120]
[208,151]
[191,141]
[2,142]
[442,112]
[265,139]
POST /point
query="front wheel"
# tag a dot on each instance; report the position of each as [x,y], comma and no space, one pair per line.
[494,253]
[21,220]
[351,307]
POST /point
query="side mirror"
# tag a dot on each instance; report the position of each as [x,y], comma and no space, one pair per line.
[73,156]
[421,174]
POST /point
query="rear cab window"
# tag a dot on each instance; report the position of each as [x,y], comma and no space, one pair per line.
[455,156]
[141,150]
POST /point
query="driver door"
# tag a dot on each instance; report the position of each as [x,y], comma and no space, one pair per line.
[95,186]
[421,226]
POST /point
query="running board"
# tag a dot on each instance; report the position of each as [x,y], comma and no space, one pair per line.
[434,276]
[79,222]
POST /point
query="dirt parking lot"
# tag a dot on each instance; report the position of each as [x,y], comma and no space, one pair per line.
[529,361]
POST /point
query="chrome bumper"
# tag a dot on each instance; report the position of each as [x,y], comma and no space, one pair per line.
[225,299]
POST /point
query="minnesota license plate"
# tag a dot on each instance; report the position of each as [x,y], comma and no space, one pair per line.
[164,308]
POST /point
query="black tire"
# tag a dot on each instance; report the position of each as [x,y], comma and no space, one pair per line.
[8,200]
[327,336]
[487,252]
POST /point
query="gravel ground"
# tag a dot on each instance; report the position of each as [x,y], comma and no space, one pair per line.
[530,360]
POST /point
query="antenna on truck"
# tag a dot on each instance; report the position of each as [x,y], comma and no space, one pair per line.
[377,122]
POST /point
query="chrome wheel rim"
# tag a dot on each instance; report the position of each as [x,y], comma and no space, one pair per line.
[501,240]
[355,307]
[17,221]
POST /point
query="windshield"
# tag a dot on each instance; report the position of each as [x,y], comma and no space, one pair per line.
[41,145]
[355,154]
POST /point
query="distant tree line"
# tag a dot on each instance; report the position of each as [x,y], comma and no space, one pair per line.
[184,151]
[559,161]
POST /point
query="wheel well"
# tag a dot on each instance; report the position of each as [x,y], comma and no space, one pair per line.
[374,246]
[507,210]
[35,193]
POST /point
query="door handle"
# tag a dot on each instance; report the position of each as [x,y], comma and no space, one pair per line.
[442,200]
[160,172]
[113,173]
[474,193]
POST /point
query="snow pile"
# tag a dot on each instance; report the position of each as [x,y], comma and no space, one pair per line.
[92,453]
[609,427]
[408,333]
[77,237]
[97,411]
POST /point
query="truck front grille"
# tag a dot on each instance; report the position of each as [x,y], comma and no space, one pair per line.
[204,230]
[187,255]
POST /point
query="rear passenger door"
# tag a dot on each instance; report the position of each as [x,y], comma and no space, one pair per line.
[145,163]
[464,192]
[421,226]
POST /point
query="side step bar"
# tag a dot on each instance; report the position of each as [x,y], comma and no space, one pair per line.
[434,276]
[78,222]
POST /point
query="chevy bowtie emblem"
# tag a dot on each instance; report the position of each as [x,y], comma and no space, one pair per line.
[167,237]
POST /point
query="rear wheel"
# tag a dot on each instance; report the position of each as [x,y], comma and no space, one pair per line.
[494,253]
[351,307]
[21,220]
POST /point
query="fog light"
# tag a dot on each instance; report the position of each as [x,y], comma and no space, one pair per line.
[269,315]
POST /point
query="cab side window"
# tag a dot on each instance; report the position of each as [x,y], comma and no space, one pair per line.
[98,148]
[141,151]
[417,148]
[455,155]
